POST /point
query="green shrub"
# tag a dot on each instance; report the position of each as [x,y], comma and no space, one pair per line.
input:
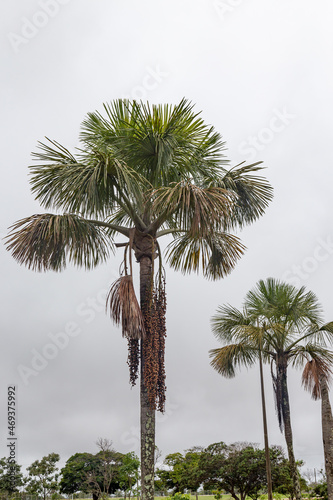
[217,494]
[180,496]
[276,496]
[320,490]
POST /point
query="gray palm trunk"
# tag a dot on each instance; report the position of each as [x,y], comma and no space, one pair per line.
[327,428]
[282,378]
[147,415]
[264,417]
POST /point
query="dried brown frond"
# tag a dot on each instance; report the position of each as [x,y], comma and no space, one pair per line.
[316,372]
[124,308]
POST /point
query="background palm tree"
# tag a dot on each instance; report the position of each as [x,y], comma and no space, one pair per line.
[142,172]
[289,320]
[232,325]
[316,379]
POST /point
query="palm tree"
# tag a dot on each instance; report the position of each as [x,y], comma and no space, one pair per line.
[316,379]
[230,325]
[142,172]
[289,320]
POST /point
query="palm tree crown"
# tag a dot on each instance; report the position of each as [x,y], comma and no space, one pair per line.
[158,169]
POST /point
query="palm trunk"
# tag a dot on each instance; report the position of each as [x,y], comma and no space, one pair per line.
[264,417]
[327,427]
[282,377]
[147,420]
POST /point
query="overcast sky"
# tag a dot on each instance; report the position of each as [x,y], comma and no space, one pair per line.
[261,72]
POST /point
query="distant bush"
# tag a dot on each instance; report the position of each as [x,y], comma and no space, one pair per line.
[276,496]
[179,496]
[320,490]
[217,494]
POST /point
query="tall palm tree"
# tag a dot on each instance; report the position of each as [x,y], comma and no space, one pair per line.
[289,318]
[142,172]
[316,378]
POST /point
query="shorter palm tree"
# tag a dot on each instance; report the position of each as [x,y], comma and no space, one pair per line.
[233,325]
[288,328]
[316,378]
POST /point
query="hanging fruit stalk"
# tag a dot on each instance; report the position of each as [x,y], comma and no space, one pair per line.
[147,325]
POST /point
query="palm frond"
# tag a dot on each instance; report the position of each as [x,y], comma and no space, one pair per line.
[216,255]
[325,332]
[300,354]
[282,303]
[92,184]
[254,192]
[166,142]
[316,371]
[120,217]
[230,324]
[47,241]
[124,307]
[193,208]
[226,359]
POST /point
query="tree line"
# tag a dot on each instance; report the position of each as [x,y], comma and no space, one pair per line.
[238,469]
[98,475]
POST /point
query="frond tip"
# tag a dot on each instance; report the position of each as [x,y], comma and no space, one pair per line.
[124,308]
[226,359]
[216,254]
[45,241]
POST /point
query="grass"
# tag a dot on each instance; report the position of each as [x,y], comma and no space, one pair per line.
[193,497]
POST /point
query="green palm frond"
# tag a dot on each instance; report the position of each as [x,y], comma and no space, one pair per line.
[282,303]
[119,218]
[304,309]
[162,142]
[92,184]
[226,359]
[46,241]
[254,192]
[229,324]
[216,255]
[300,354]
[192,208]
[325,332]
